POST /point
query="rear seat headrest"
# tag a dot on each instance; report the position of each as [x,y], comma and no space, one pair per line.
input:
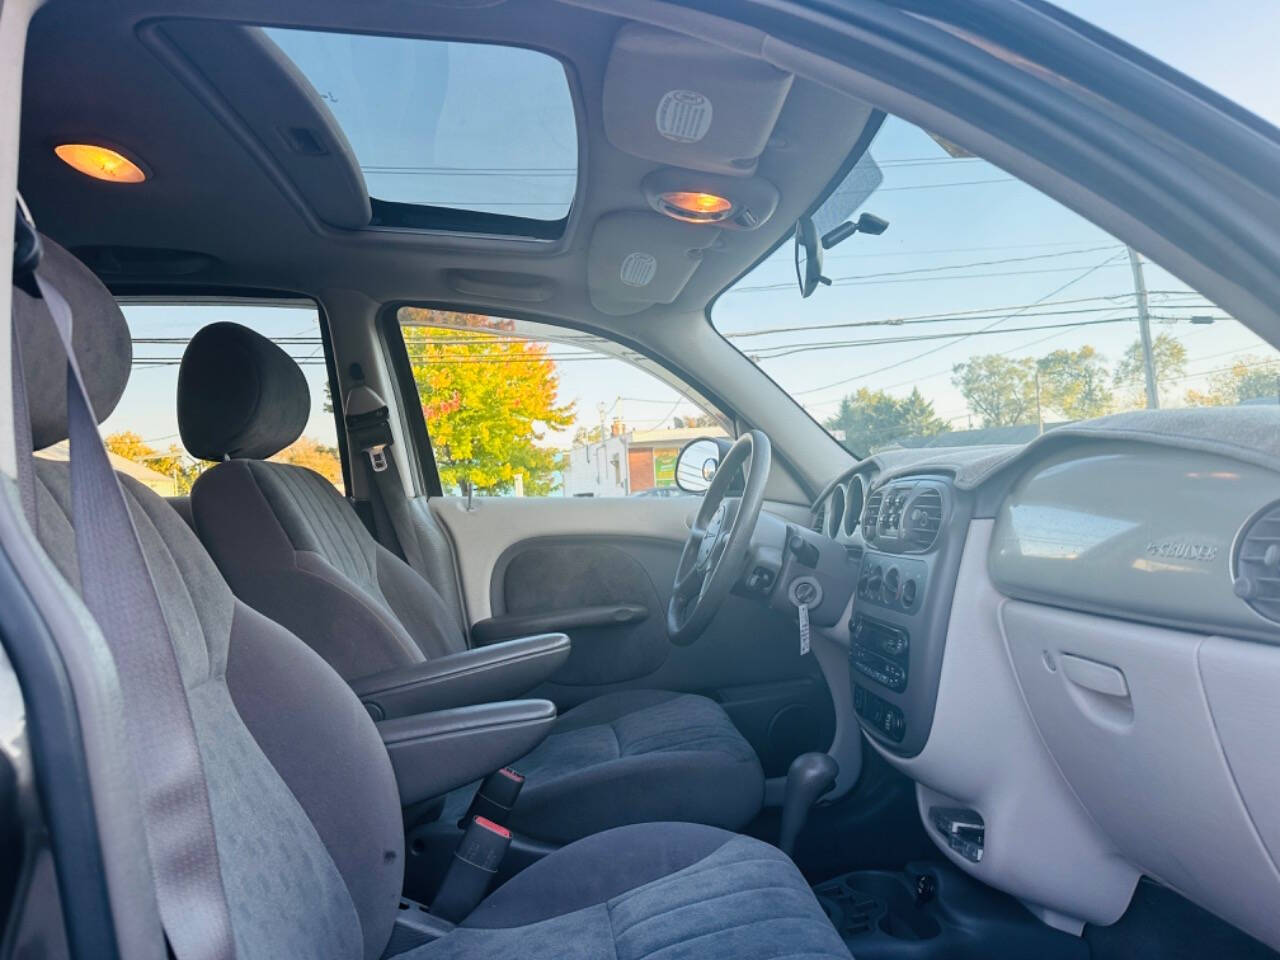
[239,395]
[100,336]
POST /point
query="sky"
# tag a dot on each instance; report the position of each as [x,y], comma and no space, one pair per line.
[963,236]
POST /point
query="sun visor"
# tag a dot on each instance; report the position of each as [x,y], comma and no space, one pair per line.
[680,101]
[639,258]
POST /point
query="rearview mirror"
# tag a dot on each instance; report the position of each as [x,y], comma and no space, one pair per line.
[697,464]
[808,257]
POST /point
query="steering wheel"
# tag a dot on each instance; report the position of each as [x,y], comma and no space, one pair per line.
[716,550]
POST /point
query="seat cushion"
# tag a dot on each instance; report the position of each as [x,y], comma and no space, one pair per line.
[658,890]
[638,756]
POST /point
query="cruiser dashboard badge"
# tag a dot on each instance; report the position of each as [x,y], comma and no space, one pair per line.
[1182,550]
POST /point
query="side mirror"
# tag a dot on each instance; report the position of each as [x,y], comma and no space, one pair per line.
[697,464]
[808,252]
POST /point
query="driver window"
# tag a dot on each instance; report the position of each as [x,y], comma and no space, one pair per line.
[525,409]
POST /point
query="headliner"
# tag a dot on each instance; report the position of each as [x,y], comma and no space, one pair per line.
[92,73]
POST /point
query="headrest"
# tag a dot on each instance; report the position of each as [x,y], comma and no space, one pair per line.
[99,334]
[239,395]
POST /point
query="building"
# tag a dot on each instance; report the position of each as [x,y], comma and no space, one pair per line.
[164,485]
[628,462]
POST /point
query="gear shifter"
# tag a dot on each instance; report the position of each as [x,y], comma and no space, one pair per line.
[811,775]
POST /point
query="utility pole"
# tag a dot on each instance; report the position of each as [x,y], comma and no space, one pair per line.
[1144,329]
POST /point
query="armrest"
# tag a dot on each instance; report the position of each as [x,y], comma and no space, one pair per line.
[433,753]
[508,625]
[497,672]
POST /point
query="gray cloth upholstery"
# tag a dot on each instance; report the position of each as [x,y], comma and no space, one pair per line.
[647,891]
[239,394]
[638,756]
[100,337]
[303,798]
[292,547]
[306,815]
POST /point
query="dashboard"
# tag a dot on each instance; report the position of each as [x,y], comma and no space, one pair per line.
[1073,648]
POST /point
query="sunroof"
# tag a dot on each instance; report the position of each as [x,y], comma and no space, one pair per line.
[464,126]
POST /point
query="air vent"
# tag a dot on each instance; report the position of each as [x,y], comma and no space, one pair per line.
[1257,563]
[923,520]
[872,515]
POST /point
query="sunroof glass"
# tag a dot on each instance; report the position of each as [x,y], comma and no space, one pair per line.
[468,126]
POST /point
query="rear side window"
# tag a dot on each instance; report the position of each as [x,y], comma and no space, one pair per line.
[142,432]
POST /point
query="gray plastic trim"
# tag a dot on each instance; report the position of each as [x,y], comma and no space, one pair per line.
[495,672]
[1174,772]
[433,753]
[984,752]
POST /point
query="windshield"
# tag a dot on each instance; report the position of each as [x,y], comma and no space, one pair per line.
[984,313]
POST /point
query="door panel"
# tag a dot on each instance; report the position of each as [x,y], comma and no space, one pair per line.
[548,574]
[539,555]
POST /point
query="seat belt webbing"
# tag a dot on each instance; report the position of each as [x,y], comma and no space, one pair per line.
[117,588]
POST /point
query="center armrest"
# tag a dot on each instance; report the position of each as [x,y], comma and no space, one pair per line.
[496,672]
[433,753]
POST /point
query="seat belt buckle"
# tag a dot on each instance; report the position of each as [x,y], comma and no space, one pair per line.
[372,432]
[496,797]
[479,854]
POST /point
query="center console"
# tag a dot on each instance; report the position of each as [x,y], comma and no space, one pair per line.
[913,531]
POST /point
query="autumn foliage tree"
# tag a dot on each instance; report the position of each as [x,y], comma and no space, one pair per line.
[488,398]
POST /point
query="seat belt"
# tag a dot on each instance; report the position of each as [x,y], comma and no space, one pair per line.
[118,591]
[369,426]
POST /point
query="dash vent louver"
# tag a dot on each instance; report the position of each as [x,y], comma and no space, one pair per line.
[924,520]
[872,515]
[1257,563]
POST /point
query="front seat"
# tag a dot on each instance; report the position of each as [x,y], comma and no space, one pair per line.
[304,802]
[292,547]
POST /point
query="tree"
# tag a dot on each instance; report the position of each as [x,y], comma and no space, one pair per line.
[314,455]
[870,419]
[488,398]
[1074,382]
[1168,357]
[174,463]
[1249,378]
[999,389]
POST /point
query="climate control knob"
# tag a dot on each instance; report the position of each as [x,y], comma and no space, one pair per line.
[874,580]
[909,590]
[892,584]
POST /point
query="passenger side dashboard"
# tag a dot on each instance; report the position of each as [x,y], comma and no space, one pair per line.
[1086,667]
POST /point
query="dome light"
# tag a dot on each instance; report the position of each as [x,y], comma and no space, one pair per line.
[101,163]
[695,207]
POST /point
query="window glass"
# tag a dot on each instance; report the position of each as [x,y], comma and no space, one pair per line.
[518,408]
[142,432]
[471,126]
[984,313]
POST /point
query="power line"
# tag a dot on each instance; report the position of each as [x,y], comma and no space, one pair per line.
[788,350]
[946,346]
[984,313]
[963,266]
[862,280]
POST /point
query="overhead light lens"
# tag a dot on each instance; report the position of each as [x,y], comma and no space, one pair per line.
[695,206]
[99,163]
